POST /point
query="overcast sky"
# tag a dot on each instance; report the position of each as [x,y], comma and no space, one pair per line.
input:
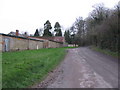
[28,15]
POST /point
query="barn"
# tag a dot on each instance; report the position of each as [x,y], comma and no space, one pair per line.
[16,43]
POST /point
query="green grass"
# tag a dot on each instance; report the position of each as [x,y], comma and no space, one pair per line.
[0,70]
[22,69]
[105,51]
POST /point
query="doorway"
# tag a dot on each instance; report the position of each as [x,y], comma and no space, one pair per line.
[7,44]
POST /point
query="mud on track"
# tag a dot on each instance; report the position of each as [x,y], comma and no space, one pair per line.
[83,68]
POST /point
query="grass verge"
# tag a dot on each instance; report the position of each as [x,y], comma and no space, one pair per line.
[105,51]
[24,68]
[0,70]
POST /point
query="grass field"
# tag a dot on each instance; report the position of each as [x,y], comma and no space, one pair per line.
[24,68]
[0,70]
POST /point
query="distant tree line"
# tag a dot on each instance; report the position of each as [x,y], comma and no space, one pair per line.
[100,28]
[46,31]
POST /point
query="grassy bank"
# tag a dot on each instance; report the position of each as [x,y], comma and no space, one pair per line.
[105,51]
[23,68]
[0,70]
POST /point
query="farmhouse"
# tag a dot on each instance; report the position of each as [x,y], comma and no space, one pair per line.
[16,42]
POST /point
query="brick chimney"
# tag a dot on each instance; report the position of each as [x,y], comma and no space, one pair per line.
[17,32]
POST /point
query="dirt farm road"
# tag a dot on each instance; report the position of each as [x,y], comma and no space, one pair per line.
[84,68]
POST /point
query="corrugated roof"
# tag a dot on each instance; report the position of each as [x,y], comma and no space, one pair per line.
[34,38]
[20,37]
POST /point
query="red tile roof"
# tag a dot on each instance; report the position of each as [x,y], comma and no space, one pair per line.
[57,38]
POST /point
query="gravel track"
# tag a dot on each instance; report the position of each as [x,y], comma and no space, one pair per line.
[83,68]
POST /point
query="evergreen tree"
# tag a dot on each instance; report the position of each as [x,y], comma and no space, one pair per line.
[58,29]
[47,27]
[60,33]
[67,36]
[36,33]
